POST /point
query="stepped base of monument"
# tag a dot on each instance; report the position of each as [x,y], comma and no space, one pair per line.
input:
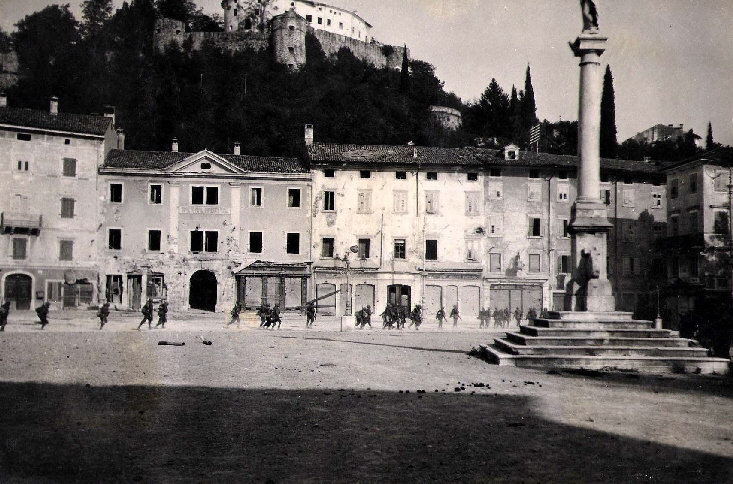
[601,340]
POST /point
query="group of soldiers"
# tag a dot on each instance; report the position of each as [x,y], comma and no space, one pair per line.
[396,316]
[503,317]
[147,311]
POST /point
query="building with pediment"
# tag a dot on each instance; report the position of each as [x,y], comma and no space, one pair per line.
[204,230]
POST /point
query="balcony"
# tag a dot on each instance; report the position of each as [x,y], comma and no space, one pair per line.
[20,223]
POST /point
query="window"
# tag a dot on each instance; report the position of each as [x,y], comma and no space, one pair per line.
[205,166]
[156,194]
[291,50]
[495,262]
[204,241]
[628,180]
[294,197]
[431,202]
[473,203]
[562,192]
[431,175]
[629,199]
[720,226]
[535,227]
[431,250]
[320,20]
[329,173]
[656,200]
[365,174]
[401,175]
[534,173]
[365,246]
[496,188]
[204,195]
[605,178]
[534,191]
[674,223]
[563,175]
[22,165]
[293,244]
[364,201]
[628,230]
[534,263]
[19,248]
[66,250]
[632,266]
[400,249]
[674,187]
[564,228]
[563,264]
[694,267]
[154,237]
[54,290]
[69,168]
[472,176]
[327,244]
[693,183]
[255,197]
[606,197]
[472,250]
[115,192]
[694,221]
[341,25]
[329,201]
[496,225]
[23,137]
[328,22]
[255,242]
[114,239]
[400,202]
[309,18]
[675,266]
[721,182]
[67,208]
[495,172]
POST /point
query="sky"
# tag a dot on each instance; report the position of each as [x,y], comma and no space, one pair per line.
[672,60]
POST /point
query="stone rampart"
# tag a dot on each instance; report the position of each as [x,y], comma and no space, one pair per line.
[372,52]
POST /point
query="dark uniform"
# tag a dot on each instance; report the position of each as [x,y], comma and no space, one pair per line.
[147,311]
[4,311]
[162,314]
[440,316]
[310,314]
[235,314]
[103,314]
[275,316]
[42,312]
[454,314]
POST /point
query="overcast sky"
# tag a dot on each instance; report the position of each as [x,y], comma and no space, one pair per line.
[672,60]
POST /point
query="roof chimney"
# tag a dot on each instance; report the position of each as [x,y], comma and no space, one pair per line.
[3,99]
[54,109]
[120,139]
[309,135]
[174,148]
[237,148]
[109,112]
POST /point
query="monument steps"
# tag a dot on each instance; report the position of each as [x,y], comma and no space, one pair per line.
[595,341]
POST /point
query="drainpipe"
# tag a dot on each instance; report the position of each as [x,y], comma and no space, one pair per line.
[617,275]
[550,249]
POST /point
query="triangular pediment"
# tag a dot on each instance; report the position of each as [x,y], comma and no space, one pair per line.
[204,162]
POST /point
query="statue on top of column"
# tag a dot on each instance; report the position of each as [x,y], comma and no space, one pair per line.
[590,15]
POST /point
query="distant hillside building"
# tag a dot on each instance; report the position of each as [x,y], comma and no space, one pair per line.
[446,117]
[283,25]
[662,132]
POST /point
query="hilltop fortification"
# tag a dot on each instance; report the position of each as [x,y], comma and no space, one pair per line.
[281,27]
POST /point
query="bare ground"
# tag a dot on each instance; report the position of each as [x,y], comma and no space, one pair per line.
[322,406]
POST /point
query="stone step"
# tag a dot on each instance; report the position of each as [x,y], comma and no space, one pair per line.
[599,324]
[591,315]
[647,364]
[528,340]
[667,352]
[594,333]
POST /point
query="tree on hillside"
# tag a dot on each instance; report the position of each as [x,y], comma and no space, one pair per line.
[609,142]
[405,73]
[515,115]
[6,42]
[528,107]
[95,14]
[709,142]
[494,111]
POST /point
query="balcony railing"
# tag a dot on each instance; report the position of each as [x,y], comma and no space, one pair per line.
[20,223]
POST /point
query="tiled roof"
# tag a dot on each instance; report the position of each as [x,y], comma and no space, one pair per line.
[158,160]
[722,156]
[321,153]
[71,123]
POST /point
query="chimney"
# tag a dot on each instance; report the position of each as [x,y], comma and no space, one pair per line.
[120,139]
[309,135]
[237,148]
[3,99]
[174,148]
[54,105]
[109,112]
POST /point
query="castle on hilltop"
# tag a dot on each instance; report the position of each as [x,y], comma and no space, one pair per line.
[281,27]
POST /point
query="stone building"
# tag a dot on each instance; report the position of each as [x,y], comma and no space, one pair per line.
[48,200]
[204,230]
[475,227]
[696,245]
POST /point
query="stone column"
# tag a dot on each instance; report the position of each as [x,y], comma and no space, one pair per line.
[590,227]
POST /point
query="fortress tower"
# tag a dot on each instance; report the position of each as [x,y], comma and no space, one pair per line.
[288,39]
[232,13]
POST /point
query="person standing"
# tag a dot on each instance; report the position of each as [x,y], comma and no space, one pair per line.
[310,314]
[235,314]
[454,314]
[440,316]
[518,316]
[4,311]
[147,311]
[275,316]
[103,314]
[162,314]
[42,312]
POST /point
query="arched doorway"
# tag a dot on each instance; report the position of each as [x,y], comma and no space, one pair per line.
[18,289]
[202,291]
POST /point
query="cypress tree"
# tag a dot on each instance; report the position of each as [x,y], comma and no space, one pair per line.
[609,142]
[515,115]
[709,142]
[528,107]
[405,72]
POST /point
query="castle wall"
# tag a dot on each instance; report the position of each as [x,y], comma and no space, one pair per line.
[369,52]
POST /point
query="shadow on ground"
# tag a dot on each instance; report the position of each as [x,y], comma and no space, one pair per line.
[166,434]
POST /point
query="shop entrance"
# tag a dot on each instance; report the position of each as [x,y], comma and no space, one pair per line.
[18,290]
[398,294]
[202,291]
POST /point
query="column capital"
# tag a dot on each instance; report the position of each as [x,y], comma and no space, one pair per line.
[588,43]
